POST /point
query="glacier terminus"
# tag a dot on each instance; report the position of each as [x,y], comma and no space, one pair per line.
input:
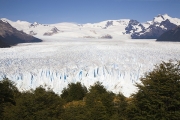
[118,64]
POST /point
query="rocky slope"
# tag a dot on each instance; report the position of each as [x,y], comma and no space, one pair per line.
[11,36]
[3,45]
[171,35]
[157,27]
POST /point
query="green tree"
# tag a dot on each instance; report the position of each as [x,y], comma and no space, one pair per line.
[36,104]
[97,112]
[74,91]
[7,91]
[120,107]
[7,94]
[75,110]
[158,96]
[99,101]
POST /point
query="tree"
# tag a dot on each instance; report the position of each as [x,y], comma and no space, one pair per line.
[158,96]
[99,101]
[74,91]
[7,91]
[7,94]
[120,107]
[36,104]
[97,112]
[75,110]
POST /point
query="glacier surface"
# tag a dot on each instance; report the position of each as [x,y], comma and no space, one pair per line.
[54,63]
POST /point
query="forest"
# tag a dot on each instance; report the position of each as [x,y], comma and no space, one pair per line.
[157,98]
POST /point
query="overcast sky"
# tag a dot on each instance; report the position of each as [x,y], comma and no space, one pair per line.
[86,11]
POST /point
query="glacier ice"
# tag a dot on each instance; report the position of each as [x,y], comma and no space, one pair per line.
[118,64]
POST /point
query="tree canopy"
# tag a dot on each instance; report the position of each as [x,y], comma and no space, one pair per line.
[74,91]
[158,96]
[7,94]
[36,104]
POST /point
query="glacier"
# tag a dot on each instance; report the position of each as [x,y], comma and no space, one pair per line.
[55,63]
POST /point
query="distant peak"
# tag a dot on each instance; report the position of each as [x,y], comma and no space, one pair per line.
[160,18]
[35,23]
[164,16]
[159,15]
[5,20]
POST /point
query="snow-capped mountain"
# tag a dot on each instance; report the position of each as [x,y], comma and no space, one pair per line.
[11,36]
[171,35]
[157,27]
[29,28]
[134,26]
[114,28]
[96,30]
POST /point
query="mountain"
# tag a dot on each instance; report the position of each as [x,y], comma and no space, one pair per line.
[157,27]
[51,32]
[134,26]
[90,30]
[115,28]
[3,45]
[11,36]
[171,35]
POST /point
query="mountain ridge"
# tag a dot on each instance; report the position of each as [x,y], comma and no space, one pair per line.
[171,35]
[11,36]
[132,28]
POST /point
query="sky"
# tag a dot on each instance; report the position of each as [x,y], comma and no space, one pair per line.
[86,11]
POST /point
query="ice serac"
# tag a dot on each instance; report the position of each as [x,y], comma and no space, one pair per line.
[112,77]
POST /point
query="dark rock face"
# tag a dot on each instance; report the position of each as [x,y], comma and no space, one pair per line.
[109,23]
[153,33]
[171,35]
[167,24]
[131,29]
[107,36]
[32,33]
[11,36]
[51,32]
[3,45]
[154,30]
